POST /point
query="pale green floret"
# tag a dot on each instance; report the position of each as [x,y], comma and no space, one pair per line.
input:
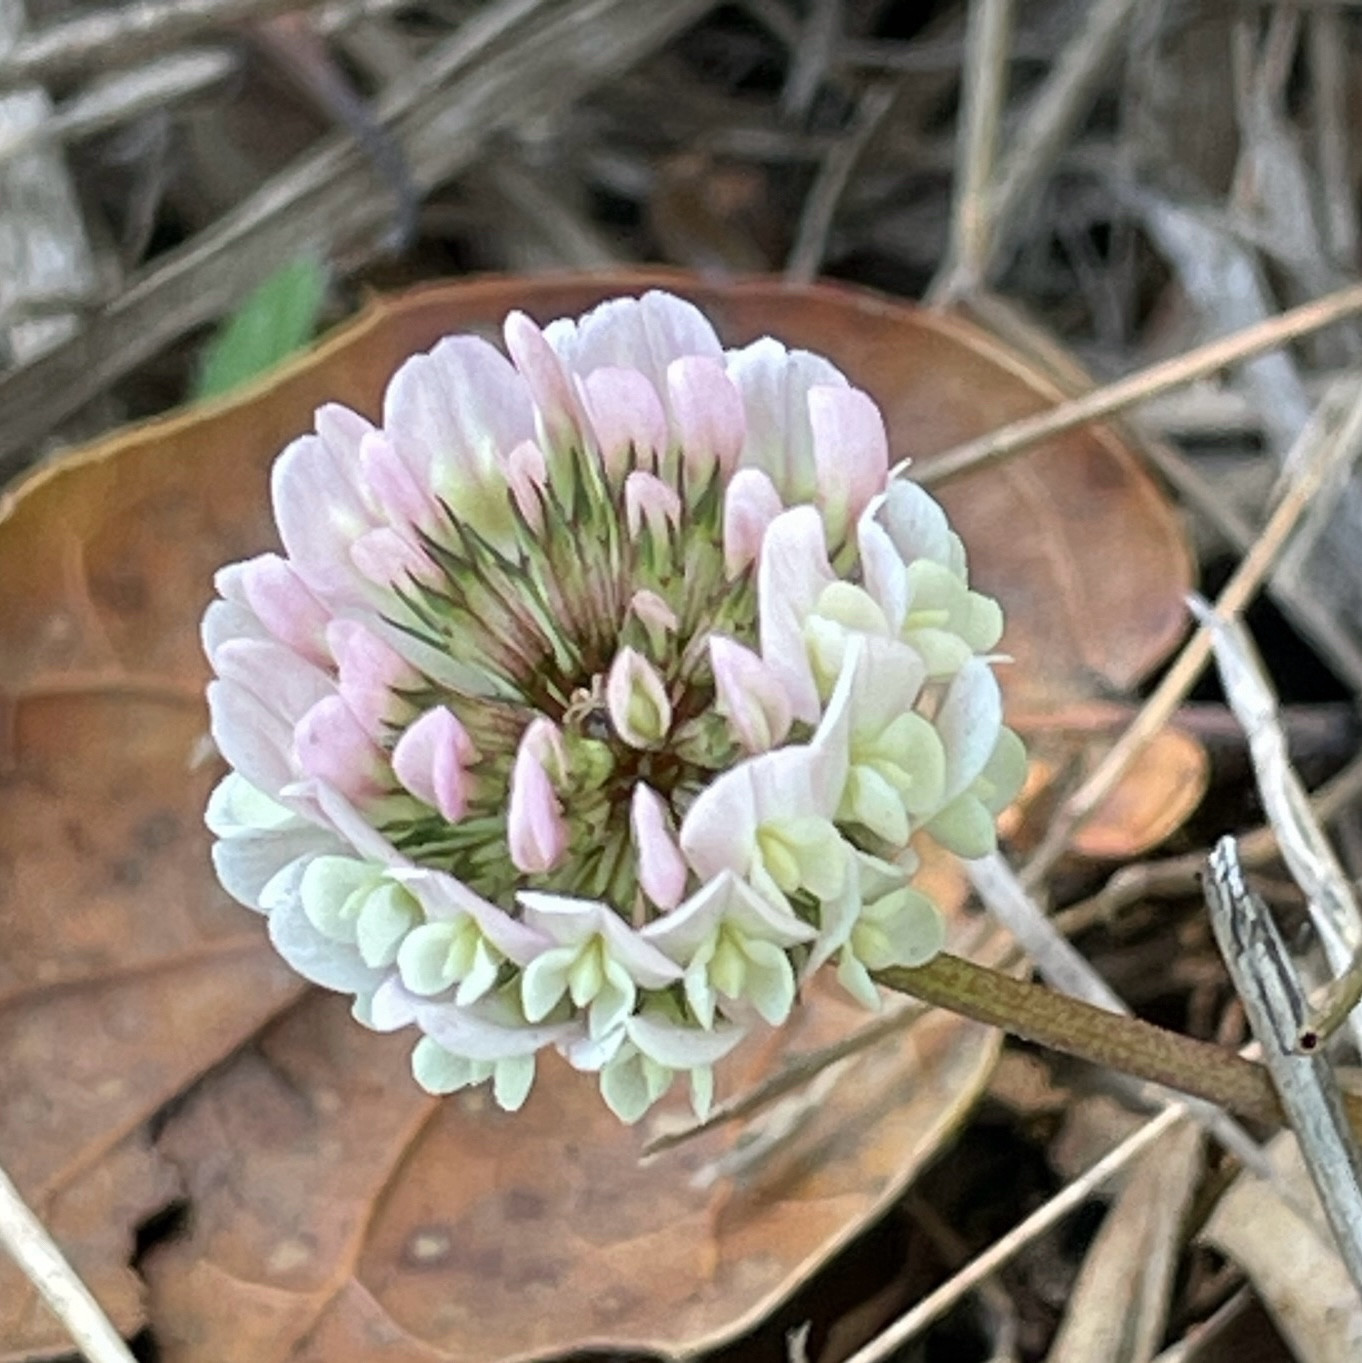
[632,1082]
[352,901]
[947,622]
[737,966]
[897,776]
[645,716]
[389,913]
[967,825]
[439,1071]
[902,927]
[841,611]
[449,951]
[802,853]
[586,973]
[333,891]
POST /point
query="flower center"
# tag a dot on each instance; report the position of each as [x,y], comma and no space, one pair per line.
[602,631]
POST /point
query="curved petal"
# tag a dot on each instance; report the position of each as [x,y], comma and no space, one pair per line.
[627,418]
[453,415]
[661,867]
[431,760]
[850,453]
[793,572]
[751,503]
[320,512]
[775,383]
[707,414]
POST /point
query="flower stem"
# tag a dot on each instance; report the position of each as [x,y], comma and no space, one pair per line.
[1074,1028]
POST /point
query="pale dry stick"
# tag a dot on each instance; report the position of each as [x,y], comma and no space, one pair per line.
[512,62]
[1058,108]
[1274,1000]
[1305,610]
[815,222]
[1199,363]
[44,247]
[121,34]
[124,97]
[1062,966]
[1306,850]
[1330,76]
[1181,875]
[811,57]
[988,35]
[933,1306]
[1340,442]
[26,1240]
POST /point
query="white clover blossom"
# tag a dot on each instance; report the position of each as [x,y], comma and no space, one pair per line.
[596,699]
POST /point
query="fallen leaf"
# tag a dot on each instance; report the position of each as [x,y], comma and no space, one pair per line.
[1160,790]
[312,1166]
[340,1213]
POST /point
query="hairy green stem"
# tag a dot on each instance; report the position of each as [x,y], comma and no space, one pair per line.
[1074,1028]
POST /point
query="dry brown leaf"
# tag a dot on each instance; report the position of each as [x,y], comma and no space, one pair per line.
[419,1230]
[312,1163]
[1160,790]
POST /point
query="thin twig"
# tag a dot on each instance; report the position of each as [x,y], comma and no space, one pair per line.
[36,1253]
[1063,967]
[123,97]
[117,35]
[1274,1001]
[1305,849]
[1157,379]
[811,57]
[1330,78]
[815,222]
[1335,439]
[935,1305]
[988,33]
[1058,107]
[478,82]
[1182,874]
[1297,602]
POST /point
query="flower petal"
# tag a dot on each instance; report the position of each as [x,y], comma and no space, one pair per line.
[627,417]
[431,760]
[661,867]
[707,416]
[536,833]
[793,572]
[850,451]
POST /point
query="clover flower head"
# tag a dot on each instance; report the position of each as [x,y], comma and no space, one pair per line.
[596,699]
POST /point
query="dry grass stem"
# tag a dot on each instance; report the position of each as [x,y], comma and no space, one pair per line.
[1180,875]
[1198,363]
[26,1240]
[1297,601]
[122,98]
[988,33]
[119,34]
[815,222]
[1274,1000]
[1336,437]
[1304,846]
[1059,106]
[476,83]
[936,1304]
